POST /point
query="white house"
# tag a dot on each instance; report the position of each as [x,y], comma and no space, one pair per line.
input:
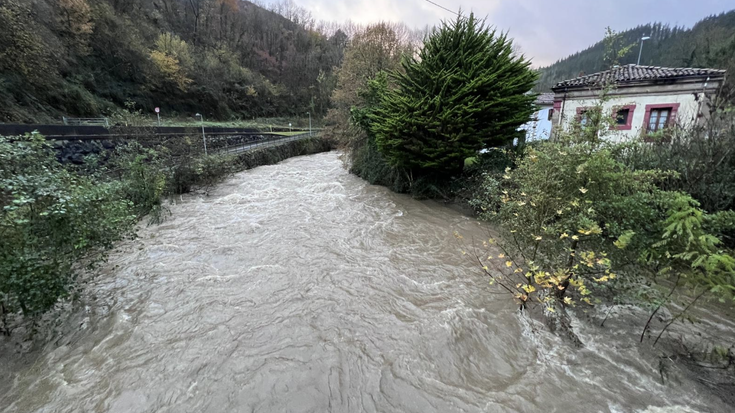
[643,99]
[540,125]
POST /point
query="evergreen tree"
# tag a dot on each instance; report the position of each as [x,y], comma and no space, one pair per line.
[467,90]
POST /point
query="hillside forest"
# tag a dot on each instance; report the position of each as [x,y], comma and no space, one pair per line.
[709,43]
[235,59]
[228,59]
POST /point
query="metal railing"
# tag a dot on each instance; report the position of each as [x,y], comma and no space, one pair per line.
[261,141]
[86,121]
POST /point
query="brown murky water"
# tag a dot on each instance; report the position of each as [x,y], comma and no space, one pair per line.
[300,288]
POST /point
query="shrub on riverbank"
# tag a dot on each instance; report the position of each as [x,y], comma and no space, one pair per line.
[59,219]
[53,219]
[410,124]
[270,155]
[578,223]
[703,159]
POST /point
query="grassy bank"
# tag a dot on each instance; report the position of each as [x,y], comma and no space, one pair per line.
[263,124]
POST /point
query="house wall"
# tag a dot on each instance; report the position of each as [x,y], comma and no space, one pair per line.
[540,127]
[691,98]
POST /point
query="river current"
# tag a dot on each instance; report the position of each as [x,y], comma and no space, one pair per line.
[298,287]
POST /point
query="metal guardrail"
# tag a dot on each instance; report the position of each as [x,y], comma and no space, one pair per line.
[86,122]
[95,132]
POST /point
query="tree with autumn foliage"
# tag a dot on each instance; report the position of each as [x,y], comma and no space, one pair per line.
[224,58]
[171,58]
[361,80]
[75,17]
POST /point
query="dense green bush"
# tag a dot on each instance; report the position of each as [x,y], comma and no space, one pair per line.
[703,158]
[366,160]
[466,90]
[53,220]
[144,178]
[577,222]
[57,219]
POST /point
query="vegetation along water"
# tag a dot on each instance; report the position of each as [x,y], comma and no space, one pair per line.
[416,252]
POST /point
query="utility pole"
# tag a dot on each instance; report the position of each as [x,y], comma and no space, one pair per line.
[204,137]
[643,39]
[309,113]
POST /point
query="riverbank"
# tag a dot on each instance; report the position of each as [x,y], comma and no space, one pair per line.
[59,219]
[699,350]
[298,286]
[273,154]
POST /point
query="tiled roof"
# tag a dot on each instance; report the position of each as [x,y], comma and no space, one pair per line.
[545,99]
[635,73]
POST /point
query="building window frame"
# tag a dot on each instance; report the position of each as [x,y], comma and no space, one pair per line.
[581,110]
[669,122]
[629,122]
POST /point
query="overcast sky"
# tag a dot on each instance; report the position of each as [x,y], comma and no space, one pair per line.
[545,29]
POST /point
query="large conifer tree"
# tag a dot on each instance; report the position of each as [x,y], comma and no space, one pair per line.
[465,91]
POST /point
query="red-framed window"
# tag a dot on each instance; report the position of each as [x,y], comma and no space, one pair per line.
[658,117]
[623,117]
[582,115]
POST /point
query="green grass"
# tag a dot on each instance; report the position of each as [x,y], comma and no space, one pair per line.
[263,124]
[289,133]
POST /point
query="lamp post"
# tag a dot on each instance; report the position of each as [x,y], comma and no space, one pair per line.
[309,113]
[204,137]
[643,39]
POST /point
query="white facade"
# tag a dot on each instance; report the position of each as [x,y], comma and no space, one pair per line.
[638,104]
[540,127]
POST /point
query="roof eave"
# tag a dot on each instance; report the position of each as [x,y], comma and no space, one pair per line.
[631,83]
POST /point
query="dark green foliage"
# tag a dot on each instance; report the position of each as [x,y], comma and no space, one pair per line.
[465,91]
[57,219]
[710,43]
[273,154]
[144,178]
[577,223]
[366,161]
[52,218]
[369,164]
[702,159]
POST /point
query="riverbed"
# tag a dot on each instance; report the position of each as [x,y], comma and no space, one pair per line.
[298,287]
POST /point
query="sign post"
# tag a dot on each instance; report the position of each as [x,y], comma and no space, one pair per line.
[158,113]
[204,137]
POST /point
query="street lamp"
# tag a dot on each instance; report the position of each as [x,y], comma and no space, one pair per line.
[309,113]
[643,39]
[204,137]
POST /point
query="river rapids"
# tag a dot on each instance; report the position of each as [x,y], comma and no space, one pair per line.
[298,287]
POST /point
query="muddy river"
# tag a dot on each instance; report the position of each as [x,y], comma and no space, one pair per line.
[300,288]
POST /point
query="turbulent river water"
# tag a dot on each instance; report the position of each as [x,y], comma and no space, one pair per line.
[300,288]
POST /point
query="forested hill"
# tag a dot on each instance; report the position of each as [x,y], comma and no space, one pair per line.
[709,43]
[224,58]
